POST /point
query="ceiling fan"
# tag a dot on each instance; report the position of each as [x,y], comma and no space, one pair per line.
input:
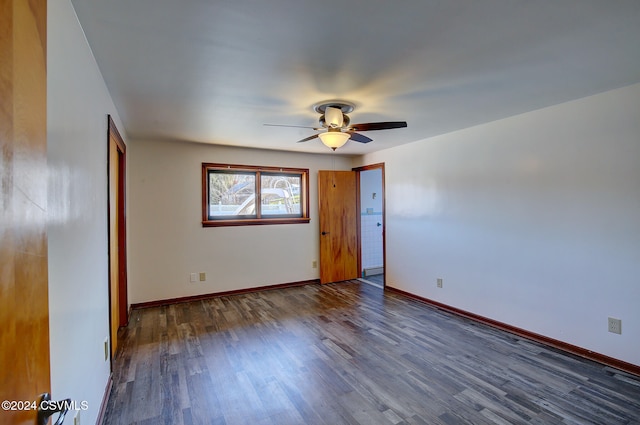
[336,125]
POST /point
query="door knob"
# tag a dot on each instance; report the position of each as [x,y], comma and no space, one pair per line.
[325,233]
[46,408]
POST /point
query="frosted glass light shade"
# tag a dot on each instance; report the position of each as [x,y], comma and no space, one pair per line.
[334,139]
[333,117]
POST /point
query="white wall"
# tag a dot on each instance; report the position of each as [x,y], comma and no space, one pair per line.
[77,107]
[532,220]
[167,240]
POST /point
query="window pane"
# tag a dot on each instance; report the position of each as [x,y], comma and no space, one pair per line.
[280,194]
[231,194]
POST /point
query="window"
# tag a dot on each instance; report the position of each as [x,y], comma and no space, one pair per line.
[237,195]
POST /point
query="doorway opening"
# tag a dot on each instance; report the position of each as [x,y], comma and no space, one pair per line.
[371,224]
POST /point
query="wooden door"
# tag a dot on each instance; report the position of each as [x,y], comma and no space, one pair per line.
[338,226]
[118,304]
[24,304]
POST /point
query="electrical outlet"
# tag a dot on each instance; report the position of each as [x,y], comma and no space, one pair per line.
[203,276]
[314,264]
[615,325]
[439,282]
[106,348]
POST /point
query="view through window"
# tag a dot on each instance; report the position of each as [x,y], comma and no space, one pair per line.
[241,195]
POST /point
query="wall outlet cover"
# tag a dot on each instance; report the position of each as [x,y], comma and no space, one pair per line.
[615,325]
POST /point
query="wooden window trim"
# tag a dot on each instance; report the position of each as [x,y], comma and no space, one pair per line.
[258,220]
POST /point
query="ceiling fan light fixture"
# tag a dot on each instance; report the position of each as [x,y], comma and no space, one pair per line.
[334,139]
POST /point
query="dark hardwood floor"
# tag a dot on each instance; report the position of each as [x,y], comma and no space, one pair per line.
[349,353]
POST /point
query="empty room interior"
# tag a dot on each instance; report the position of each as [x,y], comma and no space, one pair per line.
[416,212]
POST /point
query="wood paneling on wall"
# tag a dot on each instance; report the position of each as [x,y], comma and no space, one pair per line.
[24,314]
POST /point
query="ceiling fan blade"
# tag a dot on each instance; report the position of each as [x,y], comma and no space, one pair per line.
[306,139]
[387,125]
[285,125]
[356,137]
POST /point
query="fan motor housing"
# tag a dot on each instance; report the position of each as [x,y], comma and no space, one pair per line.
[344,106]
[345,120]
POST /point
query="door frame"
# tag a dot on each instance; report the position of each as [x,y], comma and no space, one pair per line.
[121,228]
[358,170]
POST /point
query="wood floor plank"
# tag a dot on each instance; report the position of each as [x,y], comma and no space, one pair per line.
[349,353]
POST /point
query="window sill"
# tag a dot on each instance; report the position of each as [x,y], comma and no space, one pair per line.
[254,222]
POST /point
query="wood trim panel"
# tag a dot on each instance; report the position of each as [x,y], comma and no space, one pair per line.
[117,235]
[551,342]
[253,168]
[170,301]
[384,229]
[123,301]
[105,401]
[113,130]
[370,167]
[358,224]
[255,222]
[24,306]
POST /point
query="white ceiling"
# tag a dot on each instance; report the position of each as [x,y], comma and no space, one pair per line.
[215,71]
